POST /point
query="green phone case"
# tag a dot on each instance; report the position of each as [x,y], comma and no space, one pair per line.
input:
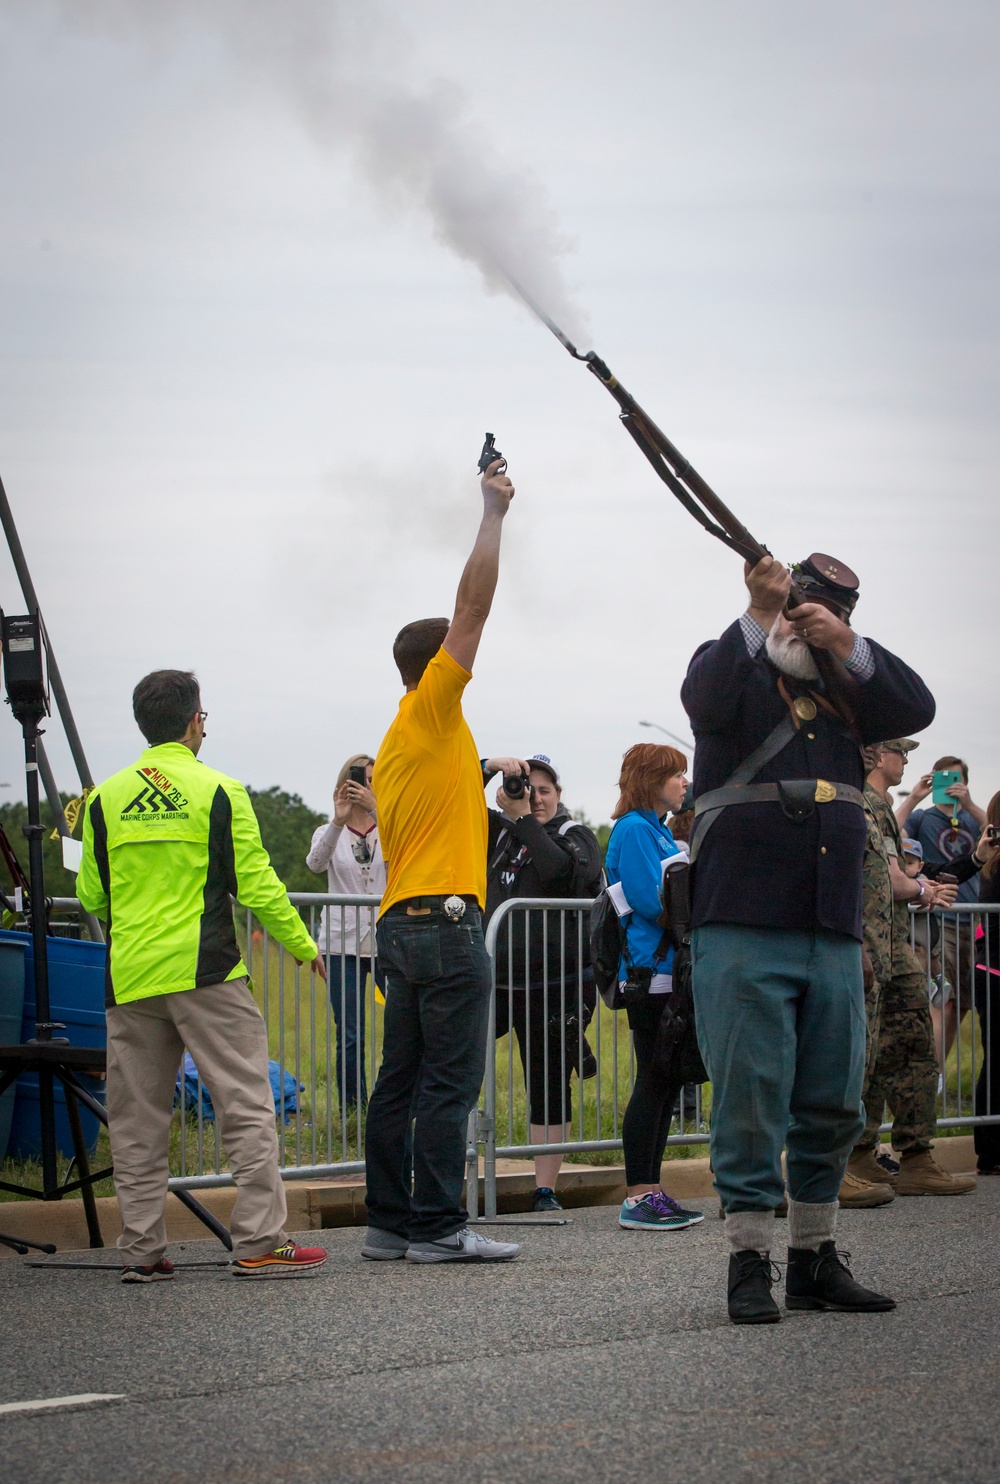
[942,782]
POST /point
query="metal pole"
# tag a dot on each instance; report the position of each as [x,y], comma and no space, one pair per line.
[55,678]
[62,825]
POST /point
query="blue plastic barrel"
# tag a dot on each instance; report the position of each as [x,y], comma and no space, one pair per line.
[11,1015]
[76,996]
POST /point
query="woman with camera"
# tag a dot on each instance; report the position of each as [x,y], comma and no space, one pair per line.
[544,984]
[348,850]
[652,785]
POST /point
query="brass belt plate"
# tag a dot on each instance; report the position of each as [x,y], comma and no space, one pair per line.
[825,792]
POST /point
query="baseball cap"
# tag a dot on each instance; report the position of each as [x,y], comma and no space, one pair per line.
[912,847]
[899,744]
[539,760]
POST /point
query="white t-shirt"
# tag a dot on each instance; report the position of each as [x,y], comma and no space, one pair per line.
[333,850]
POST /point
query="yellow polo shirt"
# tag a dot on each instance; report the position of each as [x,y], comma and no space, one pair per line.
[429,785]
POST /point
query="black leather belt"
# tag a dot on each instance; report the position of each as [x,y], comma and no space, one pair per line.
[798,797]
[419,905]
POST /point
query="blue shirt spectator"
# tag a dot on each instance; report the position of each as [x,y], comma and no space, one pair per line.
[942,843]
[638,850]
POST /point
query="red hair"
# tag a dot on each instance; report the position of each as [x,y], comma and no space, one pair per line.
[644,768]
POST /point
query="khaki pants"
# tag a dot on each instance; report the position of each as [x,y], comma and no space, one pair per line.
[223,1030]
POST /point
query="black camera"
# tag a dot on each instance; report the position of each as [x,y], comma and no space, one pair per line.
[516,785]
[24,666]
[635,990]
[358,773]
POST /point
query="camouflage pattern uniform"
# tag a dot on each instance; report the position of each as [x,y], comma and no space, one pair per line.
[902,1067]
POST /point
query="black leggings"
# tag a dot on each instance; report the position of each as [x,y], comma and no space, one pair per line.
[549,1043]
[647,1118]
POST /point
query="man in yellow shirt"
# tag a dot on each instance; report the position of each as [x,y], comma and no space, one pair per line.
[432,816]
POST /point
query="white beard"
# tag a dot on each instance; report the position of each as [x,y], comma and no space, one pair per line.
[792,657]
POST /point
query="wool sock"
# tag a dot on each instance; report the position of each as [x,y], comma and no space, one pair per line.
[750,1230]
[809,1225]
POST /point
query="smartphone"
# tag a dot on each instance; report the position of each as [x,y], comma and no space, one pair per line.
[358,773]
[941,782]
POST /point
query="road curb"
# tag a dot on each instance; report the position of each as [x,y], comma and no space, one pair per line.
[332,1203]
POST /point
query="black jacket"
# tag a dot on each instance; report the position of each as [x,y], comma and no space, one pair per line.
[560,858]
[756,866]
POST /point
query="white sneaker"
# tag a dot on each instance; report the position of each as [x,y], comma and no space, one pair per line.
[462,1246]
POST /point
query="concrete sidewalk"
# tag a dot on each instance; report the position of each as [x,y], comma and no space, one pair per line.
[598,1355]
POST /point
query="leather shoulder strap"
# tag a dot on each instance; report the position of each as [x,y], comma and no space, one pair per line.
[748,769]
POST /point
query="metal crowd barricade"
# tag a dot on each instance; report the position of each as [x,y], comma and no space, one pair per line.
[566,1030]
[321,1132]
[313,1029]
[955,952]
[567,1033]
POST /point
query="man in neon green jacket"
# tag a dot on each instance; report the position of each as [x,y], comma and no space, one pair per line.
[167,844]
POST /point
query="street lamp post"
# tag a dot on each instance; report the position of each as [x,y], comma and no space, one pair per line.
[672,735]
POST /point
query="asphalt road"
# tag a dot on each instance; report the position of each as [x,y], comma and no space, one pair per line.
[598,1355]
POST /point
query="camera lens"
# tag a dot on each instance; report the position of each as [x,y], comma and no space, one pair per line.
[514,785]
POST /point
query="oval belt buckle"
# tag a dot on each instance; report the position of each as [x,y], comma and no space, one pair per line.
[804,708]
[454,908]
[825,792]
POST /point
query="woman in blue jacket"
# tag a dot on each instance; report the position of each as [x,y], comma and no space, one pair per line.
[652,784]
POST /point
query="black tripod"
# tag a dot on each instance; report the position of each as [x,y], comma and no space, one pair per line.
[52,1057]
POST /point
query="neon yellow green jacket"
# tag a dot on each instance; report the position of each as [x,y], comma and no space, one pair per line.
[166,844]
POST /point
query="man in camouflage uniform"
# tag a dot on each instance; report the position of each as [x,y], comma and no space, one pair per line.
[901,1067]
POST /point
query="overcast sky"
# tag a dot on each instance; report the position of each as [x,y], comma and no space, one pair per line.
[243,389]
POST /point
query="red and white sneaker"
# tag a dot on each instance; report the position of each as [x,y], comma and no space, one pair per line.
[157,1272]
[287,1261]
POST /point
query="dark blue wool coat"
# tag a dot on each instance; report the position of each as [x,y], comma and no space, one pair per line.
[756,866]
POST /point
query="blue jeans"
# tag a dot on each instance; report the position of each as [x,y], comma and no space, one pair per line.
[437,996]
[781,1027]
[347,998]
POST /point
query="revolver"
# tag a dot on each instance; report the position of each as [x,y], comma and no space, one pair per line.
[489,455]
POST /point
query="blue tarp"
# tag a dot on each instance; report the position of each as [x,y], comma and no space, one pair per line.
[285,1104]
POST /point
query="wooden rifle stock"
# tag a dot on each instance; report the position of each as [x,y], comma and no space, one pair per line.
[701,501]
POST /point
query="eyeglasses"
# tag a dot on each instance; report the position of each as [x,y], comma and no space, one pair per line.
[201,715]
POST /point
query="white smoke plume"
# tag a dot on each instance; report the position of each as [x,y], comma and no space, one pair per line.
[342,69]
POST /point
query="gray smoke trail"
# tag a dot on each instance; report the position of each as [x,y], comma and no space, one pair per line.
[338,67]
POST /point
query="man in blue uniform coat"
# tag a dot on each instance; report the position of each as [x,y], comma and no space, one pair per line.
[778,846]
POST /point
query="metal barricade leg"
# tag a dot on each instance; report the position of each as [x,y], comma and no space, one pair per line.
[472,1166]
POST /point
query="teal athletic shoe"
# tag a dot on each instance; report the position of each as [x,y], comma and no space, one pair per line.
[657,1212]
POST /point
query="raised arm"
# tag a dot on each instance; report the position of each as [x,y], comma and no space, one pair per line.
[479,580]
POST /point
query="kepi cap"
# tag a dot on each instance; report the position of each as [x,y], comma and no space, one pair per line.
[822,576]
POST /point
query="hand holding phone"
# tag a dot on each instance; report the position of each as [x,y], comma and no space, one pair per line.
[942,780]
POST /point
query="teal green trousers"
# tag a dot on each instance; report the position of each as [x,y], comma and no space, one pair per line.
[781,1026]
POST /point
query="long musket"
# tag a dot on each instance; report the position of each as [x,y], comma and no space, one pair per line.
[701,501]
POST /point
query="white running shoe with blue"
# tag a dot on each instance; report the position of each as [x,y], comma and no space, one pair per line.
[657,1212]
[462,1246]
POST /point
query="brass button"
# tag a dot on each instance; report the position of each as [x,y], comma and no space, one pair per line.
[822,850]
[811,736]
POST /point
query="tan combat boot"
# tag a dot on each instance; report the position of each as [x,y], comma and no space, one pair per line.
[855,1192]
[864,1164]
[919,1174]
